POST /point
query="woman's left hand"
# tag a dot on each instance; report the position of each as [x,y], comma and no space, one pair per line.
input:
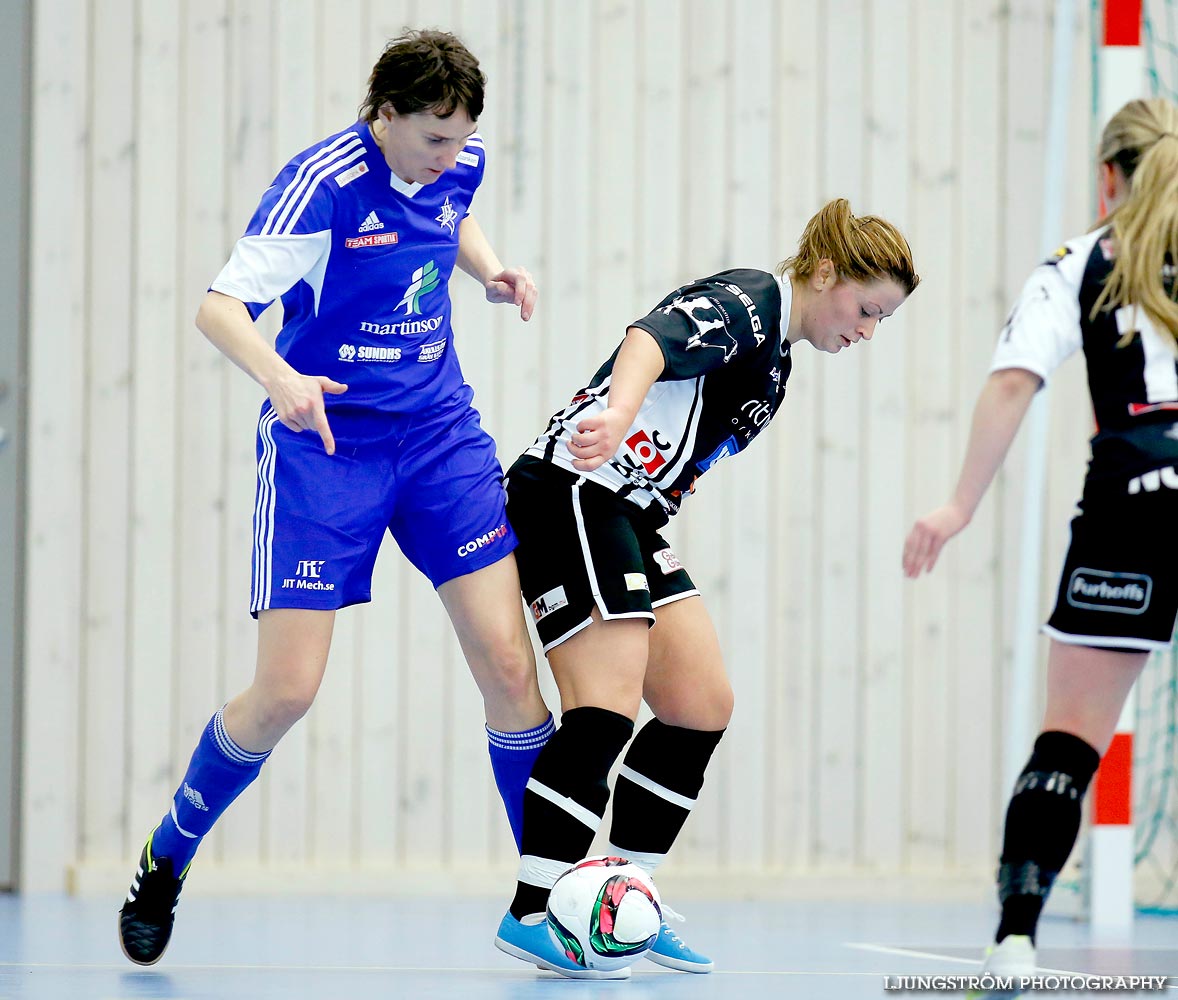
[514,285]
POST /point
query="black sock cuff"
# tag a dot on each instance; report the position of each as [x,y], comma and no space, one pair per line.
[605,724]
[1059,751]
[588,740]
[673,756]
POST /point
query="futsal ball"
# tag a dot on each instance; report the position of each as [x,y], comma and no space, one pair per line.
[604,913]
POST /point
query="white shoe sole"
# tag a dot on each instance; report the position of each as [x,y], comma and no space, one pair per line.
[516,952]
[678,964]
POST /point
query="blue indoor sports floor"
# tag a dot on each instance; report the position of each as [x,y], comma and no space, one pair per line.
[62,948]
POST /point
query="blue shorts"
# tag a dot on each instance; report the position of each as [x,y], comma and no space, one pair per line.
[431,479]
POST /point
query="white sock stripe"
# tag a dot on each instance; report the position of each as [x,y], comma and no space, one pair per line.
[643,859]
[570,806]
[642,781]
[535,870]
[264,513]
[527,739]
[190,836]
[230,749]
[535,744]
[547,726]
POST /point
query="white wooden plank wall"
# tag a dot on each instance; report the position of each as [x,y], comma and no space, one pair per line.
[979,295]
[881,820]
[633,145]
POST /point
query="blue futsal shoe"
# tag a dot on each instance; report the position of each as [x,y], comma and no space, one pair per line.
[530,941]
[672,952]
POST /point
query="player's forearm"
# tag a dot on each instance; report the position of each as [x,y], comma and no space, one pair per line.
[999,412]
[475,255]
[226,322]
[639,363]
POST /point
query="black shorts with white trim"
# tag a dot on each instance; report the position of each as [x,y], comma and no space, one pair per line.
[1119,584]
[582,546]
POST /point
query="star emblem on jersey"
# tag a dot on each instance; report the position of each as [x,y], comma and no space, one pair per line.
[371,223]
[425,279]
[448,216]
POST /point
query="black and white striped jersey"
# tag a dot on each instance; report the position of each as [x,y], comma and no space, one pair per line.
[726,364]
[1051,320]
[1134,387]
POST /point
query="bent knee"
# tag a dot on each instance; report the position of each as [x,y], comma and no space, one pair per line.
[716,711]
[725,703]
[708,710]
[505,662]
[281,709]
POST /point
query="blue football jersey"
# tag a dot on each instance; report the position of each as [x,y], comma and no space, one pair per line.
[362,263]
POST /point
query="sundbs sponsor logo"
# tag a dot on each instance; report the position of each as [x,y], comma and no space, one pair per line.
[366,353]
[350,352]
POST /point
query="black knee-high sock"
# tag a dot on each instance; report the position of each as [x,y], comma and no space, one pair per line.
[1042,822]
[656,788]
[565,800]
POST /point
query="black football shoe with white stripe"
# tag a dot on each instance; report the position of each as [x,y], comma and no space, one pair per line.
[145,921]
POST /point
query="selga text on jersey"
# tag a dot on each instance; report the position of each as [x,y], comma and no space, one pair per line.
[726,364]
[1132,373]
[361,261]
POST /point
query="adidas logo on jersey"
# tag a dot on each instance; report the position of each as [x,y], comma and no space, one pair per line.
[371,223]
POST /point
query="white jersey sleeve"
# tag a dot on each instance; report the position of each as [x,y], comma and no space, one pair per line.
[289,238]
[1043,328]
[262,268]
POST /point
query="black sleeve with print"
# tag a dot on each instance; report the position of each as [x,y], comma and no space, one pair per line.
[706,325]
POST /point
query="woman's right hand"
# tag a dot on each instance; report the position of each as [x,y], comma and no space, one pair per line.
[929,535]
[598,438]
[298,401]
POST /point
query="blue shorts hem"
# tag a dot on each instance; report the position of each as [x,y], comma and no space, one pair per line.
[479,560]
[279,604]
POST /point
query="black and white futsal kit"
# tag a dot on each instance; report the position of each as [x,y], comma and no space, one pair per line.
[1119,585]
[592,539]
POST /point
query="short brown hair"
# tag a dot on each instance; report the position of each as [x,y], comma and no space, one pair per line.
[425,71]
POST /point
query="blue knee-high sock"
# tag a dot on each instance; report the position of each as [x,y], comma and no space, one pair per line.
[218,772]
[512,757]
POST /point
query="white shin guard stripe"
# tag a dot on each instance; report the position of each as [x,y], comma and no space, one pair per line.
[642,781]
[570,806]
[190,836]
[535,870]
[647,862]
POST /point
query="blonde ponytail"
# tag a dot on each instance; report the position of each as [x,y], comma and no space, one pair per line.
[1142,139]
